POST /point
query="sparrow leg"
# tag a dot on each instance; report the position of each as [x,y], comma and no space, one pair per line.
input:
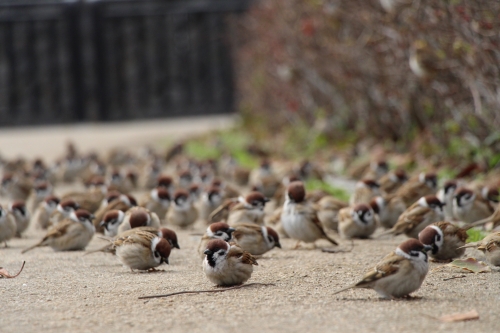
[297,246]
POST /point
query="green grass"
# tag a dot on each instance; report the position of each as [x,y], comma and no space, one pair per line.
[475,235]
[317,184]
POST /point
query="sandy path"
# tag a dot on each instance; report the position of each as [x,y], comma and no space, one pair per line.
[63,292]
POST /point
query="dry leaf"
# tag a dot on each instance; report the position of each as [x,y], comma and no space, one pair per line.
[5,274]
[471,315]
[470,265]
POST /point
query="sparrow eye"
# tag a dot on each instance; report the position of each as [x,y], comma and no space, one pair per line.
[222,252]
[156,254]
[438,238]
[270,239]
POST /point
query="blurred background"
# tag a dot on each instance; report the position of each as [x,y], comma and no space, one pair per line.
[415,75]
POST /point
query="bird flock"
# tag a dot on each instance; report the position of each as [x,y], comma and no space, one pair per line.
[136,202]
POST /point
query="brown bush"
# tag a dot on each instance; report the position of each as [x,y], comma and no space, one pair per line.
[343,66]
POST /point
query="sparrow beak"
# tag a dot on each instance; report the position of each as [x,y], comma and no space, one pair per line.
[176,245]
[267,199]
[165,260]
[103,224]
[208,252]
[277,245]
[91,217]
[230,231]
[427,248]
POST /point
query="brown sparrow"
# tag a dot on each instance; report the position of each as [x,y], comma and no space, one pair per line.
[142,250]
[299,218]
[388,208]
[376,170]
[423,61]
[15,186]
[157,201]
[245,210]
[39,192]
[217,230]
[210,200]
[227,265]
[7,226]
[71,234]
[399,273]
[121,202]
[41,216]
[328,210]
[446,240]
[415,188]
[365,190]
[63,210]
[425,211]
[490,246]
[118,181]
[264,179]
[182,212]
[21,215]
[138,217]
[393,180]
[256,239]
[358,221]
[446,195]
[91,199]
[111,222]
[167,183]
[469,206]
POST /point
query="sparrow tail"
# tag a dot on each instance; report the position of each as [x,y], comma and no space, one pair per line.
[385,233]
[469,245]
[331,240]
[344,289]
[31,247]
[479,223]
[106,248]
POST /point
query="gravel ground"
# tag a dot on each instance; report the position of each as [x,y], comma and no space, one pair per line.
[67,291]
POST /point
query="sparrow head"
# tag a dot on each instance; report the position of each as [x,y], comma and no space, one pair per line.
[432,236]
[112,220]
[271,237]
[51,201]
[217,182]
[19,207]
[214,195]
[132,176]
[170,236]
[115,176]
[165,182]
[67,206]
[181,199]
[82,216]
[216,252]
[161,250]
[42,189]
[296,191]
[430,179]
[368,183]
[139,218]
[111,196]
[7,179]
[381,167]
[464,197]
[265,164]
[377,204]
[128,200]
[413,249]
[161,195]
[431,201]
[220,230]
[256,200]
[194,191]
[449,187]
[185,177]
[362,214]
[399,176]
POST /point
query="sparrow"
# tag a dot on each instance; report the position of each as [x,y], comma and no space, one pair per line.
[138,217]
[399,273]
[142,250]
[424,62]
[493,218]
[227,265]
[247,210]
[425,211]
[185,178]
[217,230]
[71,234]
[8,226]
[376,170]
[358,221]
[490,246]
[149,176]
[255,239]
[41,216]
[415,188]
[210,200]
[92,198]
[157,201]
[167,183]
[264,179]
[328,210]
[118,181]
[391,181]
[194,192]
[39,192]
[121,202]
[469,206]
[15,186]
[366,190]
[182,212]
[21,215]
[63,210]
[446,195]
[446,240]
[299,218]
[388,208]
[111,222]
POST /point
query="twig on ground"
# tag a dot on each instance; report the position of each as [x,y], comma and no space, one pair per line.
[340,250]
[207,291]
[455,277]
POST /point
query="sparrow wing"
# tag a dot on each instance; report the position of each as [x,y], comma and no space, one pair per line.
[221,212]
[390,265]
[248,229]
[311,215]
[245,257]
[410,219]
[56,231]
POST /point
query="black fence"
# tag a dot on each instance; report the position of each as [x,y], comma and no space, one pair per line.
[67,61]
